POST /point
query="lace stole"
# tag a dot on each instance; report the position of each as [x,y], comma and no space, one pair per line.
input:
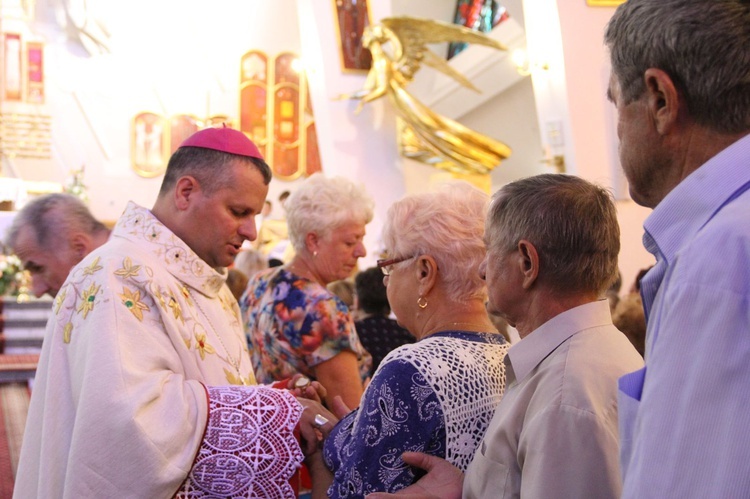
[249,448]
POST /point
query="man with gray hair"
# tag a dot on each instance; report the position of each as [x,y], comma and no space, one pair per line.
[552,246]
[681,84]
[50,235]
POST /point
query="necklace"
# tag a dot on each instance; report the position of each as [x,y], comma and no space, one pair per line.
[481,327]
[296,268]
[475,325]
[234,362]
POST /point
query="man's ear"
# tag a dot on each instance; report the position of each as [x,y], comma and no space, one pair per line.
[528,262]
[663,99]
[82,244]
[185,188]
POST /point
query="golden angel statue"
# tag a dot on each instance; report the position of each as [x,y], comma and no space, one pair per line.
[423,134]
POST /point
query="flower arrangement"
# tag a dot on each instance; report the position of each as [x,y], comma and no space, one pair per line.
[76,187]
[12,276]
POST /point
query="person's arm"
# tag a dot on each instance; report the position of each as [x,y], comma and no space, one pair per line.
[397,414]
[568,452]
[442,481]
[313,433]
[330,347]
[321,476]
[340,376]
[690,439]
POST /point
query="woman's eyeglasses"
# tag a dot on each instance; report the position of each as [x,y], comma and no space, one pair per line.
[386,266]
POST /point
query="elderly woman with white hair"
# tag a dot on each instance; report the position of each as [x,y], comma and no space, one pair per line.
[293,323]
[439,394]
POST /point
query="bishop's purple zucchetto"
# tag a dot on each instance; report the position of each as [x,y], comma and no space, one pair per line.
[223,139]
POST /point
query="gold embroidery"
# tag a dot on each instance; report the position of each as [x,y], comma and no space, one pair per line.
[225,303]
[88,297]
[128,269]
[153,235]
[94,267]
[203,346]
[133,302]
[185,293]
[175,306]
[233,379]
[60,298]
[66,332]
[159,297]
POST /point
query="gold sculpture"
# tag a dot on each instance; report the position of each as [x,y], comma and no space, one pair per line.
[423,134]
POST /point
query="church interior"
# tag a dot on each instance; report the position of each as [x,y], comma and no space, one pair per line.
[105,67]
[95,95]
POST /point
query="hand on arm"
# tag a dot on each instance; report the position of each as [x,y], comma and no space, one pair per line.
[442,481]
[313,435]
[311,432]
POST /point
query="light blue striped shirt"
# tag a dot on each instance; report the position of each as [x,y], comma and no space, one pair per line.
[685,418]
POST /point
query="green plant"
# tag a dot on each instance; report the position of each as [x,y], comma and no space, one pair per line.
[12,276]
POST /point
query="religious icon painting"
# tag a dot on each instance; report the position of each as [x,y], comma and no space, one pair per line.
[181,127]
[12,72]
[352,17]
[254,72]
[150,144]
[479,15]
[35,72]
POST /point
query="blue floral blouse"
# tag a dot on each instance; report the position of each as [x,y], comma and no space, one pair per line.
[435,396]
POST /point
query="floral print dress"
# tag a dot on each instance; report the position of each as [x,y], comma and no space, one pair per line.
[293,324]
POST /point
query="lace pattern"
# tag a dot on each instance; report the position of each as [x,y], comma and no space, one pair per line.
[249,449]
[435,396]
[468,379]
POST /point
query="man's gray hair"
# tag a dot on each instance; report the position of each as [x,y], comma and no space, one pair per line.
[322,204]
[571,222]
[449,226]
[51,218]
[704,46]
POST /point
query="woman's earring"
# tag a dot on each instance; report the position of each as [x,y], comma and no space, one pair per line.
[422,302]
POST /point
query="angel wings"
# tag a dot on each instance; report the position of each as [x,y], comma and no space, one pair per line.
[425,135]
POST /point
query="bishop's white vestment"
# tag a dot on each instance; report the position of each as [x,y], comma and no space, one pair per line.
[139,388]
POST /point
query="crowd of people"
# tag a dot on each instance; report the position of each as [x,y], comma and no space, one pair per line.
[183,361]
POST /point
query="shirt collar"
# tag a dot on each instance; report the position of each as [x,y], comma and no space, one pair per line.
[695,200]
[139,225]
[525,355]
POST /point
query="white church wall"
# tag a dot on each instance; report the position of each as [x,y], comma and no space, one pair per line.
[181,58]
[593,122]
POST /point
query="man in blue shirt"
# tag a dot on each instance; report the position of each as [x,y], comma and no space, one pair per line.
[681,84]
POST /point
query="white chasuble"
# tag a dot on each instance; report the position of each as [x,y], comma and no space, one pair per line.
[139,391]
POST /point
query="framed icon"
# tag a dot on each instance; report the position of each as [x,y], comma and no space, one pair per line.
[352,17]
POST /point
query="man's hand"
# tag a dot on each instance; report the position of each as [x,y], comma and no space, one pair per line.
[442,481]
[302,387]
[312,432]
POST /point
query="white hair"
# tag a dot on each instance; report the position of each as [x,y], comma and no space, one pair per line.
[322,204]
[449,226]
